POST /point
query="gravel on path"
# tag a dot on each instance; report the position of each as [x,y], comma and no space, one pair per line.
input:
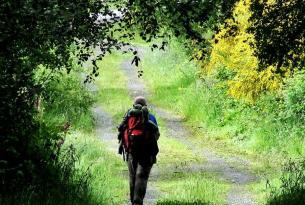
[238,194]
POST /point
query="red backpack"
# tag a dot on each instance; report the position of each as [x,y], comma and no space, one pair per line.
[134,133]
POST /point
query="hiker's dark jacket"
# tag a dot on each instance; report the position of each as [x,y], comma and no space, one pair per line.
[145,154]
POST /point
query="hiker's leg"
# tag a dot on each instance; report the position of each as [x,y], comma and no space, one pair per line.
[132,168]
[142,175]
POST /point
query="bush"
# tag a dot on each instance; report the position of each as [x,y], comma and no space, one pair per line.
[294,98]
[66,100]
[292,188]
[59,182]
[42,170]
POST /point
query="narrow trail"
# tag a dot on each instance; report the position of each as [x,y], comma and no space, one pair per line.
[238,195]
[105,130]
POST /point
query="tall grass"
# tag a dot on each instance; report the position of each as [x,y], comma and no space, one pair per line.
[106,185]
[291,189]
[193,188]
[80,170]
[262,127]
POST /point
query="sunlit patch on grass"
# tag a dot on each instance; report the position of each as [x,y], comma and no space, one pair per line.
[192,188]
[108,186]
[112,93]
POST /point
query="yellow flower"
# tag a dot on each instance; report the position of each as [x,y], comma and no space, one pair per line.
[235,52]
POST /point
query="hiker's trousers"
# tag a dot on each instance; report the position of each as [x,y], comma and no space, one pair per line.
[138,177]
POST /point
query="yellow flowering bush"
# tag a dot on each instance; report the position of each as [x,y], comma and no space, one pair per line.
[233,49]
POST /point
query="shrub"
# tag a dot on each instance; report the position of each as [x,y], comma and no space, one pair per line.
[294,98]
[233,49]
[292,188]
[59,182]
[44,171]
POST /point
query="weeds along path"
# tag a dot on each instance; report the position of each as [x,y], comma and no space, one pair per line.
[238,194]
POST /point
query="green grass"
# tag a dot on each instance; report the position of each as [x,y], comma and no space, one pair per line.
[107,184]
[229,126]
[112,93]
[192,188]
[173,153]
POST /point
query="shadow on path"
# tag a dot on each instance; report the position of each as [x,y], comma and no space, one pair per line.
[182,203]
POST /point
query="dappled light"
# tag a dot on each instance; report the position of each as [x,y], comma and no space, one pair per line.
[152,102]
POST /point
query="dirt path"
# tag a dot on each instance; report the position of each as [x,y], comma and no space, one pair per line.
[106,132]
[238,194]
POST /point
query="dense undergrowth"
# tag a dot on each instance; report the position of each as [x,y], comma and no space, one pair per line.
[271,125]
[77,168]
[271,128]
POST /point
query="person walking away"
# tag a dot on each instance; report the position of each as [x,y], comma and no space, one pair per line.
[138,136]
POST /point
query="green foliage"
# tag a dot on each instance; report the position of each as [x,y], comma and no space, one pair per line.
[44,169]
[292,187]
[278,28]
[60,183]
[36,114]
[65,99]
[186,19]
[294,98]
[264,127]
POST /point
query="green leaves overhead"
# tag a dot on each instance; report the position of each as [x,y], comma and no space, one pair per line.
[279,31]
[188,18]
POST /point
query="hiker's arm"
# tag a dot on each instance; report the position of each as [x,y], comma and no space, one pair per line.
[157,129]
[153,121]
[123,124]
[157,133]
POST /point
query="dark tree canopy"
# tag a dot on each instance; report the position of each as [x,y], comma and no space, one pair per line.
[37,33]
[279,32]
[34,33]
[187,18]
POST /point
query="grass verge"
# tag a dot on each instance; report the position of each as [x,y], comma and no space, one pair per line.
[192,188]
[107,185]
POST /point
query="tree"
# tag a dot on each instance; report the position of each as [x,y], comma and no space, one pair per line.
[189,19]
[40,33]
[279,32]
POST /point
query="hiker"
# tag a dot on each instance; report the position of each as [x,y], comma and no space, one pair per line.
[138,135]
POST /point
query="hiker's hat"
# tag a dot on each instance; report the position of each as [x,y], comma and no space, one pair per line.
[140,100]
